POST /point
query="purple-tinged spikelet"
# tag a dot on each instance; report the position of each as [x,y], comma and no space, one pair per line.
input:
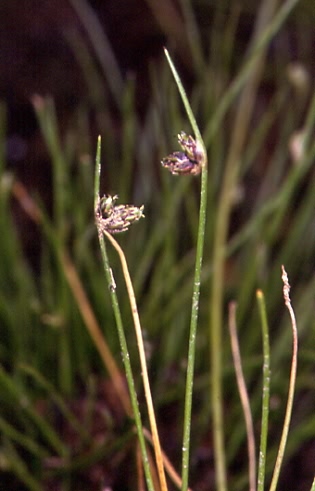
[188,162]
[117,218]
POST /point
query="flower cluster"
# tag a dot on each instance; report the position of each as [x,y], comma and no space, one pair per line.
[188,162]
[117,218]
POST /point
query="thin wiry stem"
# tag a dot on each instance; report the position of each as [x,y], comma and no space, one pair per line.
[243,396]
[145,376]
[197,277]
[120,328]
[287,418]
[265,392]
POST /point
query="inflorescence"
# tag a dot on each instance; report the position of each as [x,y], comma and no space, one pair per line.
[117,218]
[188,162]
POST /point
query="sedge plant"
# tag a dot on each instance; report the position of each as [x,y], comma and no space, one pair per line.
[111,219]
[53,322]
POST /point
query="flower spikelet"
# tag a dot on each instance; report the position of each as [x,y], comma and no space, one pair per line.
[187,162]
[117,218]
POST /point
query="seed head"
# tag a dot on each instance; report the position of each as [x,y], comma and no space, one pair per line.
[179,164]
[192,149]
[118,218]
[188,162]
[107,204]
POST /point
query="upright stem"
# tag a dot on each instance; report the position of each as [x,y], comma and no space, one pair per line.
[120,328]
[265,392]
[197,276]
[145,376]
[193,330]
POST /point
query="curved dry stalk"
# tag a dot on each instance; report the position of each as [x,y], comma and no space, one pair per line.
[146,384]
[287,418]
[243,396]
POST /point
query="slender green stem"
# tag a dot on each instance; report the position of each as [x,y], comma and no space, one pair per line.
[196,287]
[184,97]
[97,174]
[119,323]
[143,363]
[193,330]
[265,392]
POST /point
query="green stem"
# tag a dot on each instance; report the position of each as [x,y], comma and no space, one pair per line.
[265,392]
[119,324]
[143,363]
[184,97]
[193,330]
[196,287]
